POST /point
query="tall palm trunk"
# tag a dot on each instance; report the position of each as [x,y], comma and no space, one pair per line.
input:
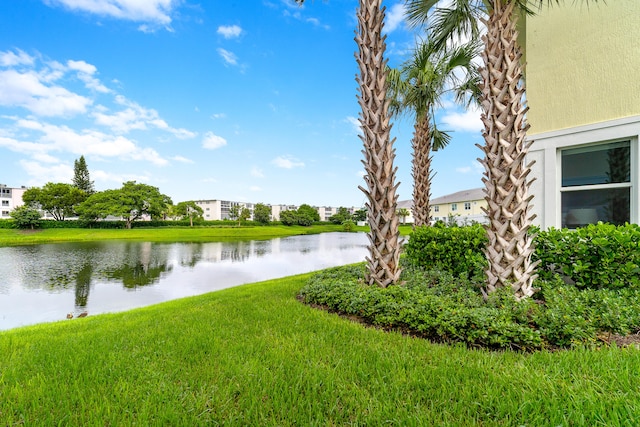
[384,243]
[421,172]
[505,177]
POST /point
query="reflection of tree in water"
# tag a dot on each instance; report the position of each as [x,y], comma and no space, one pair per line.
[138,275]
[191,255]
[238,253]
[83,285]
[140,265]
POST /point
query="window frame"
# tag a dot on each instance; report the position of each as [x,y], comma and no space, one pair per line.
[631,184]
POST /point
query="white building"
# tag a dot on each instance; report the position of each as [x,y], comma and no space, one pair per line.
[10,198]
[217,210]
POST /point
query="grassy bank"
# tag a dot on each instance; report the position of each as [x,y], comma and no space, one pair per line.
[13,237]
[254,355]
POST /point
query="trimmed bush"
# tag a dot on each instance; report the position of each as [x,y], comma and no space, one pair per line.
[457,250]
[601,256]
[435,305]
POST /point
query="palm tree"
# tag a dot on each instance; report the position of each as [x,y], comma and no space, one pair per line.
[416,88]
[383,267]
[403,213]
[503,115]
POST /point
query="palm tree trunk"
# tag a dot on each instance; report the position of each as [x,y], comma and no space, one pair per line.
[384,243]
[421,172]
[505,177]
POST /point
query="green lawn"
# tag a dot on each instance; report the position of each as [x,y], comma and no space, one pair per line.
[254,355]
[12,237]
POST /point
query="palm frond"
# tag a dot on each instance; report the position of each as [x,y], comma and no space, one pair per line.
[439,138]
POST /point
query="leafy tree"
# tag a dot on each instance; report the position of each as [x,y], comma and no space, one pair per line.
[130,202]
[26,217]
[341,216]
[416,89]
[360,215]
[58,199]
[240,213]
[188,210]
[505,128]
[289,217]
[403,213]
[81,178]
[262,213]
[234,213]
[383,262]
[307,215]
[245,214]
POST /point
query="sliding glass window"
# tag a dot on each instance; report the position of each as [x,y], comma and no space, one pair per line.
[596,184]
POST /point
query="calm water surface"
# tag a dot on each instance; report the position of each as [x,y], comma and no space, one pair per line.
[44,283]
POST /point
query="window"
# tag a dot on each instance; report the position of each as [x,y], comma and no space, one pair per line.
[454,206]
[5,203]
[467,206]
[436,208]
[596,184]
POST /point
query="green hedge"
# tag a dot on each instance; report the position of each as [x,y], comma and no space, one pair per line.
[435,305]
[457,250]
[600,256]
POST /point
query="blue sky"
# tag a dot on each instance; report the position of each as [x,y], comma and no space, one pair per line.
[203,99]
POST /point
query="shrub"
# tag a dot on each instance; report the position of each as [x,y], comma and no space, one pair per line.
[436,305]
[601,256]
[454,249]
[348,225]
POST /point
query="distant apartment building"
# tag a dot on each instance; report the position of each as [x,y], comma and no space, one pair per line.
[10,198]
[217,210]
[463,206]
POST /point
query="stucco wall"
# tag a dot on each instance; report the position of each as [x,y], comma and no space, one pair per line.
[583,64]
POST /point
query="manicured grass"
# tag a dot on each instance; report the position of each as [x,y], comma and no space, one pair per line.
[254,355]
[12,237]
[9,237]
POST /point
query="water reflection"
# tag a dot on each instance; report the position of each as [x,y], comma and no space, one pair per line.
[48,282]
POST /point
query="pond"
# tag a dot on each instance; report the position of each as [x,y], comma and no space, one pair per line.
[43,283]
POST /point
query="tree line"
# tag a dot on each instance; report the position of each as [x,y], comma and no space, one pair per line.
[134,201]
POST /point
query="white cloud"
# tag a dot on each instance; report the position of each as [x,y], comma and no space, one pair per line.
[29,90]
[467,121]
[475,168]
[394,17]
[316,23]
[182,159]
[287,162]
[229,57]
[41,174]
[151,12]
[85,74]
[216,116]
[12,59]
[212,141]
[103,176]
[229,31]
[56,138]
[355,124]
[255,188]
[257,172]
[135,117]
